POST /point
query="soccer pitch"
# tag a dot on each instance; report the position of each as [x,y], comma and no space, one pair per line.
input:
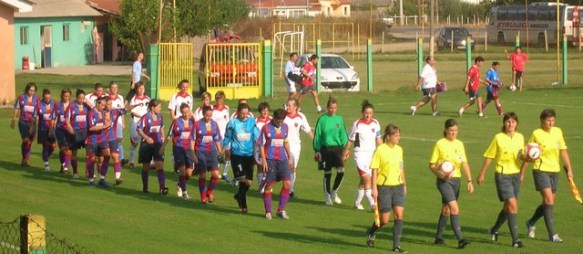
[122,219]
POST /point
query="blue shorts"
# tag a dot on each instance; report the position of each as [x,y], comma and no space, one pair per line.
[46,136]
[64,139]
[97,149]
[207,160]
[278,171]
[114,146]
[472,95]
[182,157]
[24,129]
[79,138]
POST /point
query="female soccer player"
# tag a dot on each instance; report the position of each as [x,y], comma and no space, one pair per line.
[139,107]
[76,120]
[97,144]
[112,114]
[546,170]
[506,149]
[273,145]
[450,149]
[296,121]
[365,135]
[151,129]
[182,135]
[26,105]
[263,119]
[64,139]
[388,185]
[207,147]
[46,131]
[221,116]
[206,102]
[241,135]
[329,142]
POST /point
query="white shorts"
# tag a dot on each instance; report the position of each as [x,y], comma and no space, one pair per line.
[291,86]
[135,138]
[257,156]
[296,150]
[119,131]
[363,160]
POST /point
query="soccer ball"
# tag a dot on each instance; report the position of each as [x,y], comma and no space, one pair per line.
[446,168]
[532,151]
[512,88]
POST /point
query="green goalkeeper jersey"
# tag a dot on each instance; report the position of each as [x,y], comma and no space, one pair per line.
[329,131]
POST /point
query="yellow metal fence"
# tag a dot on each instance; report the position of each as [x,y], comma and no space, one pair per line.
[176,61]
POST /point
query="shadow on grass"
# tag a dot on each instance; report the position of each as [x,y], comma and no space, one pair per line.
[309,239]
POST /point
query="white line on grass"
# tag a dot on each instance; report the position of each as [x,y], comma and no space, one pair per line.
[9,246]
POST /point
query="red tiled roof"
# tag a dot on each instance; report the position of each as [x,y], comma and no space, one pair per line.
[109,6]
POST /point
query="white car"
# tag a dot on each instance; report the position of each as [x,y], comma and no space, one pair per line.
[336,72]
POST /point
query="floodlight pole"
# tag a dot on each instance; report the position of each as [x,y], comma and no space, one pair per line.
[432,29]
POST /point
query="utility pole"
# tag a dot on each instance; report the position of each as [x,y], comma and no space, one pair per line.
[402,22]
[432,28]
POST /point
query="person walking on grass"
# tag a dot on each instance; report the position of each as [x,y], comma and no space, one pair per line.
[97,145]
[151,130]
[518,60]
[76,122]
[46,129]
[182,135]
[64,139]
[296,121]
[493,88]
[389,186]
[428,85]
[506,149]
[289,67]
[25,111]
[309,82]
[208,146]
[472,87]
[452,150]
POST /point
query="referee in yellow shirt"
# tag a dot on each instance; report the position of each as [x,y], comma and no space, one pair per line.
[546,170]
[506,149]
[388,185]
[450,149]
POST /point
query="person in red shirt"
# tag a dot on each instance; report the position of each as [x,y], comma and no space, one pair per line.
[473,86]
[518,60]
[309,82]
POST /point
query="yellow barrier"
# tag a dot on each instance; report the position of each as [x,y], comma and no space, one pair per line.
[176,61]
[234,68]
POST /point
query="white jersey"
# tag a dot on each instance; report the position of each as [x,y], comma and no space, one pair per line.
[429,76]
[117,102]
[296,123]
[142,106]
[367,135]
[176,100]
[198,114]
[221,116]
[259,122]
[91,98]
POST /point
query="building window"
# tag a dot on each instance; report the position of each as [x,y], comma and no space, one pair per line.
[24,35]
[66,32]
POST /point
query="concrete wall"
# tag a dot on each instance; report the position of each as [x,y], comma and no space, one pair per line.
[7,93]
[77,51]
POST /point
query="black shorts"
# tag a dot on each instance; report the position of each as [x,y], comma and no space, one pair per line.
[428,92]
[278,171]
[306,89]
[449,189]
[507,186]
[149,152]
[242,166]
[47,136]
[25,130]
[64,139]
[80,138]
[207,160]
[543,180]
[182,157]
[331,158]
[390,196]
[518,74]
[472,95]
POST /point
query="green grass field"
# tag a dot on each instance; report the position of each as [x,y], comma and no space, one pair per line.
[124,220]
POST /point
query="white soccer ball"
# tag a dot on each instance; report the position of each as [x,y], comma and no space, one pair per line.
[533,151]
[446,168]
[512,88]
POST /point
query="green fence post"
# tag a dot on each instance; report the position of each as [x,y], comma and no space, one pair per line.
[369,64]
[419,57]
[153,70]
[319,65]
[267,68]
[517,41]
[468,53]
[565,76]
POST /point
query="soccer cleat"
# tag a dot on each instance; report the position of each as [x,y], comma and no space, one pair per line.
[124,162]
[494,235]
[556,239]
[185,196]
[268,216]
[460,112]
[463,243]
[236,197]
[481,114]
[24,164]
[75,176]
[370,239]
[210,196]
[335,198]
[282,215]
[103,183]
[439,241]
[47,168]
[436,113]
[132,165]
[164,191]
[204,201]
[530,229]
[178,191]
[91,184]
[227,178]
[413,110]
[358,206]
[517,244]
[244,211]
[291,195]
[328,199]
[118,181]
[398,250]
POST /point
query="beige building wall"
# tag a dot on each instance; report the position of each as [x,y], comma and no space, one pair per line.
[7,82]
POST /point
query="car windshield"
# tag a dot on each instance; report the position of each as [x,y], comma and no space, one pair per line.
[456,32]
[333,62]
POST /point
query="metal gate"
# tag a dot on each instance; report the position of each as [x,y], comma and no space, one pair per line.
[176,61]
[234,68]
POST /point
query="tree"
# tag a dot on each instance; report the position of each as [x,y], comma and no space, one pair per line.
[137,23]
[198,17]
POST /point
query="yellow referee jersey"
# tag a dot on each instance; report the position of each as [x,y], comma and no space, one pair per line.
[453,151]
[551,144]
[389,163]
[505,150]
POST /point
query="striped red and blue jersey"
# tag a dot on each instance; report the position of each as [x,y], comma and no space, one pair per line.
[95,118]
[113,116]
[151,128]
[77,115]
[182,132]
[27,105]
[273,139]
[45,114]
[206,135]
[59,114]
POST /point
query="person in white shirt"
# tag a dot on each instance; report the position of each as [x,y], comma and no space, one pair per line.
[91,98]
[263,119]
[365,136]
[296,122]
[289,67]
[206,102]
[178,98]
[427,83]
[139,105]
[137,74]
[117,102]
